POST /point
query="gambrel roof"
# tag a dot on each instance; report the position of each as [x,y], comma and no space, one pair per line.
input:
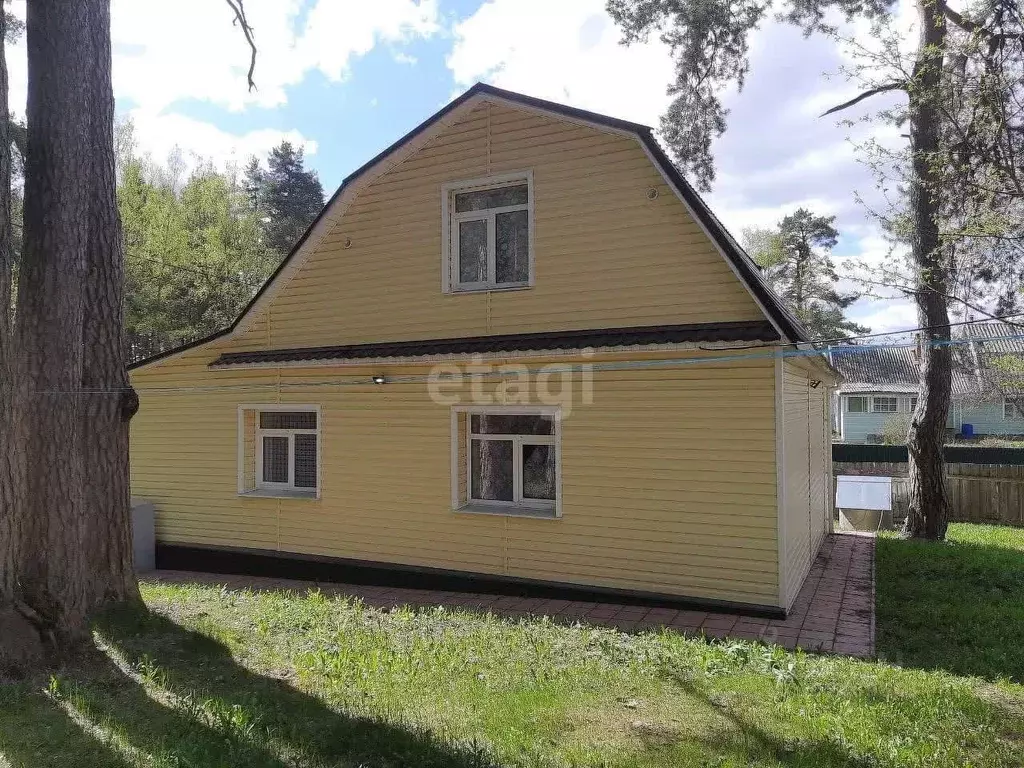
[784,325]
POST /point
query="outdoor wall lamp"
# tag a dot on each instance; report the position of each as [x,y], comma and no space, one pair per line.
[380,380]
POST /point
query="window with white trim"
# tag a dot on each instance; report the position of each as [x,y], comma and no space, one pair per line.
[279,450]
[857,404]
[488,226]
[885,404]
[506,461]
[911,403]
[1013,408]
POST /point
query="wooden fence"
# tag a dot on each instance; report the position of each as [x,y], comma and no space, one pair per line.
[978,493]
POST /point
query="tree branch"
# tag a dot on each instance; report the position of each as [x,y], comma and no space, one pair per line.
[893,86]
[238,6]
[974,27]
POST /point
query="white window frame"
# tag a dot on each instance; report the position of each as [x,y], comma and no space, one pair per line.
[911,403]
[876,398]
[1017,408]
[264,488]
[450,231]
[865,398]
[519,506]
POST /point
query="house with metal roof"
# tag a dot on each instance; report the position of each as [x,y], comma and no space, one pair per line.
[515,346]
[875,401]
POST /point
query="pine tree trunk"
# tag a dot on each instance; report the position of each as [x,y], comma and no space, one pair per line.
[70,508]
[50,315]
[19,639]
[928,510]
[109,401]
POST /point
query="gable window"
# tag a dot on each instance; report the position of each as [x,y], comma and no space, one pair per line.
[858,404]
[279,451]
[488,227]
[1013,408]
[506,461]
[885,404]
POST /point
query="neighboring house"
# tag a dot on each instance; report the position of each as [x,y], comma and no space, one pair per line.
[879,391]
[349,414]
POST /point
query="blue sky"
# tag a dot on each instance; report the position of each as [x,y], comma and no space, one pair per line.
[345,78]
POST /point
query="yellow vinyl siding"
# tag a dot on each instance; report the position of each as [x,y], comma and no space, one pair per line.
[668,478]
[807,469]
[605,255]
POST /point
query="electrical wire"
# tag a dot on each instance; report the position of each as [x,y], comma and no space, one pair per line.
[551,368]
[840,341]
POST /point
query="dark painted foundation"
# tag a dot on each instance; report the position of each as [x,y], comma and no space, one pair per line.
[255,562]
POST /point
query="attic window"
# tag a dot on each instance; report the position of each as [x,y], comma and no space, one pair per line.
[488,233]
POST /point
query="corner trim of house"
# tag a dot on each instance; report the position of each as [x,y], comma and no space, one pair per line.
[322,568]
[780,478]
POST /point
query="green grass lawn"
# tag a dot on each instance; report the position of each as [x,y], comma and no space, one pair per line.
[957,606]
[215,678]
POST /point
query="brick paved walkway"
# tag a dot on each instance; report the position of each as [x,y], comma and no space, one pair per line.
[834,612]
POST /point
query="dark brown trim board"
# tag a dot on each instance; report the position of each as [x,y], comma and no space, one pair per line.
[303,567]
[519,342]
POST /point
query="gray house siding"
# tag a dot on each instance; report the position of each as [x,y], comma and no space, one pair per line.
[988,419]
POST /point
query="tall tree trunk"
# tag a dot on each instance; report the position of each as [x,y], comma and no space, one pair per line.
[927,515]
[19,639]
[109,401]
[73,402]
[50,315]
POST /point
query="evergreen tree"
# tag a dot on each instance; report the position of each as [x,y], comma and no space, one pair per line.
[286,196]
[193,258]
[795,257]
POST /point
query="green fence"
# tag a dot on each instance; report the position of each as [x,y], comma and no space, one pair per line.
[955,454]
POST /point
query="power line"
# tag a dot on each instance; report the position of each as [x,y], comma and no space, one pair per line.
[551,368]
[838,341]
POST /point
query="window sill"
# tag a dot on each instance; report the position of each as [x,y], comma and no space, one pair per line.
[489,289]
[505,511]
[279,493]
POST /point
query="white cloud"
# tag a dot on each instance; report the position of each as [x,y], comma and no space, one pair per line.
[189,50]
[573,57]
[338,31]
[158,136]
[885,315]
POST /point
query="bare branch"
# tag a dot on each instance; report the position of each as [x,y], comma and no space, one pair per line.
[240,20]
[893,86]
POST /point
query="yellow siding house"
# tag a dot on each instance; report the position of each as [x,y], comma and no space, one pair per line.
[514,345]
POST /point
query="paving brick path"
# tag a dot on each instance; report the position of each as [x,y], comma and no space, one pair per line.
[834,612]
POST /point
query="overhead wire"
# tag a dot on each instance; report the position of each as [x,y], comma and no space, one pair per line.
[767,352]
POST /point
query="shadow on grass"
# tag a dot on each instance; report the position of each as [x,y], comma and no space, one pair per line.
[748,743]
[224,714]
[35,732]
[956,605]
